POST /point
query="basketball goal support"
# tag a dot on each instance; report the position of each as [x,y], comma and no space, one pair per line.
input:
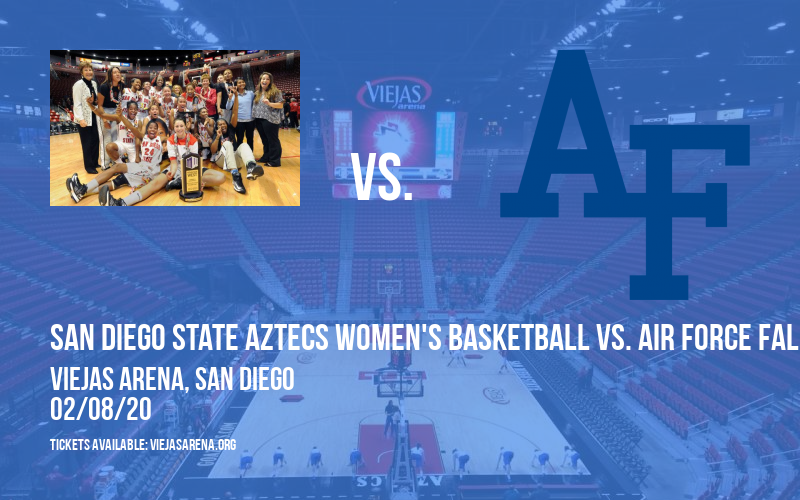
[389,288]
[398,382]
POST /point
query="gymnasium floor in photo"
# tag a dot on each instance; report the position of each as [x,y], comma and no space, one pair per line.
[473,408]
[277,187]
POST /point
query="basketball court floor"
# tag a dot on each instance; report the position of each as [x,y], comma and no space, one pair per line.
[471,408]
[278,187]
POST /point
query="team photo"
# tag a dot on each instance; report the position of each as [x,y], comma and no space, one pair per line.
[216,128]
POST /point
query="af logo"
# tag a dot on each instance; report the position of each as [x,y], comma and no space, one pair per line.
[571,80]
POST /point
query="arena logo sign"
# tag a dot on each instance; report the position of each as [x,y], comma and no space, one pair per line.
[394,92]
[376,481]
[571,82]
[209,458]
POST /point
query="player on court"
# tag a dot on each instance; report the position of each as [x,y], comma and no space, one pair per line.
[505,457]
[163,128]
[167,102]
[504,366]
[144,101]
[278,461]
[180,112]
[204,128]
[457,355]
[136,175]
[356,460]
[460,461]
[125,145]
[418,458]
[245,463]
[315,460]
[131,94]
[567,454]
[574,458]
[542,459]
[178,144]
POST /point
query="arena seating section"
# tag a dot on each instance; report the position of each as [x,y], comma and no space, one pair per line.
[286,79]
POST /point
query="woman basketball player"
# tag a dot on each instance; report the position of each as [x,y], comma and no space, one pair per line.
[135,175]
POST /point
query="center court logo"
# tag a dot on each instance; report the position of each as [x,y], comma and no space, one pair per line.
[394,92]
[571,81]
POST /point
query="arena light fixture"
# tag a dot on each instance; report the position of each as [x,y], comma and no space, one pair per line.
[627,45]
[619,97]
[790,51]
[678,17]
[540,95]
[101,14]
[3,22]
[780,97]
[723,80]
[727,94]
[665,72]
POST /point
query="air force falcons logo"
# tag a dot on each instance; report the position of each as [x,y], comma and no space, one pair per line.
[571,81]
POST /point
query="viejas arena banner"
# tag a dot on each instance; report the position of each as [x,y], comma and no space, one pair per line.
[457,250]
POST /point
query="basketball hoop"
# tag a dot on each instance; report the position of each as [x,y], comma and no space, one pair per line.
[396,384]
[390,287]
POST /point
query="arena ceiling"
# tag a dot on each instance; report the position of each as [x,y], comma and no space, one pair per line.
[655,55]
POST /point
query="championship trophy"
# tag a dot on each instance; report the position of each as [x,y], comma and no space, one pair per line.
[191,178]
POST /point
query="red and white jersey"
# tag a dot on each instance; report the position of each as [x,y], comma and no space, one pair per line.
[154,93]
[128,96]
[152,150]
[179,147]
[167,105]
[125,136]
[144,101]
[204,133]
